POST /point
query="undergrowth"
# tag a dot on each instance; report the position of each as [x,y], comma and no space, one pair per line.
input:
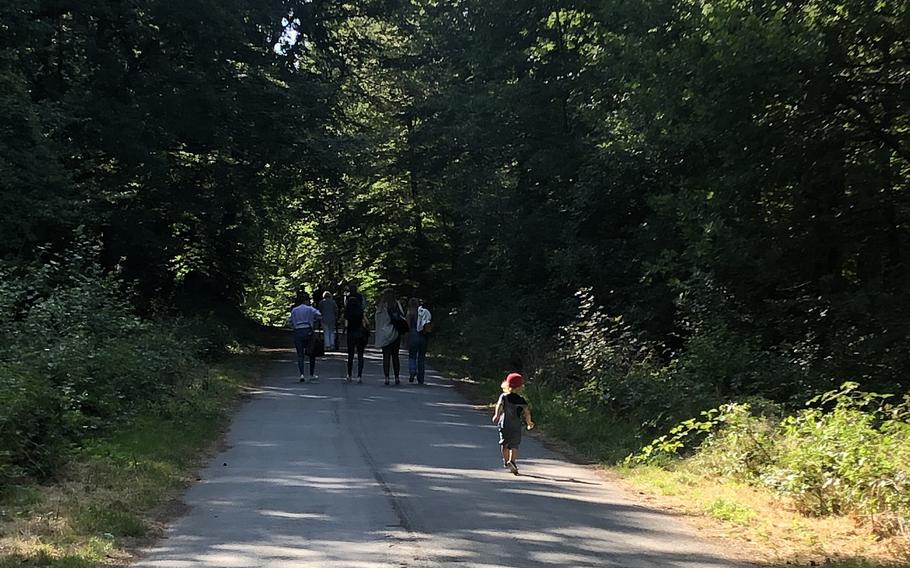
[847,453]
[76,359]
[108,496]
[823,481]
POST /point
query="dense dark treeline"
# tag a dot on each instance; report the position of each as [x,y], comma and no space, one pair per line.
[167,128]
[146,150]
[730,176]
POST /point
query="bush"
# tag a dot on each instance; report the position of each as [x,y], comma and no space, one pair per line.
[497,336]
[75,358]
[731,364]
[852,457]
[743,443]
[34,424]
[608,364]
[848,453]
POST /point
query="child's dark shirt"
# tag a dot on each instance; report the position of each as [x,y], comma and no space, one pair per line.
[513,405]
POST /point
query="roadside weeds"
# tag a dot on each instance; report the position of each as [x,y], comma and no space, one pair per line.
[760,527]
[120,490]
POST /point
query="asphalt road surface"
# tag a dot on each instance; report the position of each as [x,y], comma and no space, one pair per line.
[369,476]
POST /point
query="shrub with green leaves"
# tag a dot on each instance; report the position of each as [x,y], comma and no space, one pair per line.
[610,365]
[693,433]
[35,425]
[75,358]
[742,444]
[847,453]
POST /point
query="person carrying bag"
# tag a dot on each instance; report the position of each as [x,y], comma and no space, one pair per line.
[388,336]
[358,332]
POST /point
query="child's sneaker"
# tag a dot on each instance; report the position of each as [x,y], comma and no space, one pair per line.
[314,378]
[505,464]
[302,378]
[512,467]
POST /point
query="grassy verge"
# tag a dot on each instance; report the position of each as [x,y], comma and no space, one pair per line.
[763,527]
[119,488]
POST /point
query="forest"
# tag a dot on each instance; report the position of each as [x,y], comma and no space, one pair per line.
[650,207]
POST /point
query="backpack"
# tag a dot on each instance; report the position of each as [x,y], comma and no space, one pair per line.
[353,309]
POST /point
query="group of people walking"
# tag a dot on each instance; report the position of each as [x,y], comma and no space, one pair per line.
[511,413]
[392,324]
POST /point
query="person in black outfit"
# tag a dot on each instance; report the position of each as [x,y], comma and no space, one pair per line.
[357,334]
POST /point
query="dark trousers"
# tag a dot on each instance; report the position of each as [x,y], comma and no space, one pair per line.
[355,343]
[390,355]
[301,342]
[418,352]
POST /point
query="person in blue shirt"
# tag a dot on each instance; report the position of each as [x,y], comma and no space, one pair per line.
[303,320]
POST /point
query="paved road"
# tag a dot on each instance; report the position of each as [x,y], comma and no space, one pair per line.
[360,476]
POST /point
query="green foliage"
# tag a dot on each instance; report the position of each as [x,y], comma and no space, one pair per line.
[744,443]
[176,146]
[848,453]
[688,434]
[109,519]
[496,333]
[729,179]
[730,511]
[615,367]
[608,362]
[851,453]
[116,477]
[599,435]
[721,174]
[76,359]
[726,363]
[35,425]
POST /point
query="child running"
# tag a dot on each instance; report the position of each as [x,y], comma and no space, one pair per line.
[511,412]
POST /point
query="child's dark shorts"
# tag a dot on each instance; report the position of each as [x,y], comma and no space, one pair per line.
[509,439]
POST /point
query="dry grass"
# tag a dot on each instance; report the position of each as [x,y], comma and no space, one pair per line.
[763,526]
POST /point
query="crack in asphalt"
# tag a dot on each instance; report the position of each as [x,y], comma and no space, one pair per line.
[394,500]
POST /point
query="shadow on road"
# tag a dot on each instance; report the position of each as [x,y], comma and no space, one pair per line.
[368,476]
[559,479]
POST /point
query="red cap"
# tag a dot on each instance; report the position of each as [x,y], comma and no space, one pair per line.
[514,380]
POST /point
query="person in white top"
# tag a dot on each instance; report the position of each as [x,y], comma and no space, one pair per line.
[413,339]
[421,332]
[303,320]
